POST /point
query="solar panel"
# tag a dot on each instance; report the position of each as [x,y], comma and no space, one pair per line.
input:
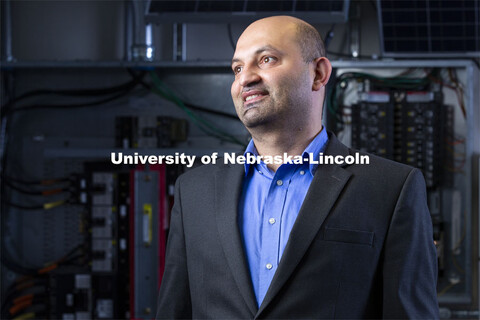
[429,27]
[325,11]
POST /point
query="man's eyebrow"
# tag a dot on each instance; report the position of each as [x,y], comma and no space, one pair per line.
[258,51]
[267,48]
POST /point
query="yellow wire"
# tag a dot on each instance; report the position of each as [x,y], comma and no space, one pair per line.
[51,205]
[29,315]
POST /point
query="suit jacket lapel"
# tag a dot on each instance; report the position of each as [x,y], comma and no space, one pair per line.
[228,186]
[326,186]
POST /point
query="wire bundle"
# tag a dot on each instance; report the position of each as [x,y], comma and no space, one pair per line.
[30,292]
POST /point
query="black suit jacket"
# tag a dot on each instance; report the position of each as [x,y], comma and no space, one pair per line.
[361,247]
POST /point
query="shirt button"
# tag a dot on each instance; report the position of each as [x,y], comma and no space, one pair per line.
[279,182]
[269,266]
[271,220]
[260,172]
[302,172]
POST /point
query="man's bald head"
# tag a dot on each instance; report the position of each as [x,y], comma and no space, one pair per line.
[307,37]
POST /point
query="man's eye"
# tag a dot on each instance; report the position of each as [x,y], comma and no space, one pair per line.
[237,70]
[268,59]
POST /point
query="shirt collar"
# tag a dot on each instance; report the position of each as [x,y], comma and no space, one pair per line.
[250,149]
[317,145]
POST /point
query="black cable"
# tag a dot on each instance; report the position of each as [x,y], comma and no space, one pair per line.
[72,251]
[47,182]
[37,192]
[23,207]
[8,108]
[6,258]
[71,106]
[8,262]
[73,92]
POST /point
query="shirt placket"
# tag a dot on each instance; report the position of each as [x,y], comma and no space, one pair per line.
[271,228]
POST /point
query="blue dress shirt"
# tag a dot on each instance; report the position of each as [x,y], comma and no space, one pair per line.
[268,208]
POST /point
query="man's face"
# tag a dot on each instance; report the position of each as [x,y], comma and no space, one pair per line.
[273,83]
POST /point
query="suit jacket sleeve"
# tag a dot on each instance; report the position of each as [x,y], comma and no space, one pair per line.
[174,297]
[410,262]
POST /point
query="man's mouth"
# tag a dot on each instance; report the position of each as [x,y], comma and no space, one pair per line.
[251,97]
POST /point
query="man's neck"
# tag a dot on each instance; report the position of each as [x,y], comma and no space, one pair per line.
[278,143]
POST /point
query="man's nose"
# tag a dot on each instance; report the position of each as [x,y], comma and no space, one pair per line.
[248,77]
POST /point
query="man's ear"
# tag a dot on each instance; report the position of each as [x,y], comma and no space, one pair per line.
[323,69]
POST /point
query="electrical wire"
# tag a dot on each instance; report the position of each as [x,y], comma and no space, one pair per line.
[44,206]
[45,182]
[457,90]
[18,288]
[29,301]
[204,125]
[124,88]
[459,158]
[64,260]
[48,192]
[15,301]
[25,316]
[71,106]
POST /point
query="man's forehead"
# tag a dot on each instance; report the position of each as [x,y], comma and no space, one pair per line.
[255,42]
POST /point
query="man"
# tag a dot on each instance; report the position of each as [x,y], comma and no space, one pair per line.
[296,240]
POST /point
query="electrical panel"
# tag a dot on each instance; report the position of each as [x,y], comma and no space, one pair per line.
[408,127]
[407,118]
[372,124]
